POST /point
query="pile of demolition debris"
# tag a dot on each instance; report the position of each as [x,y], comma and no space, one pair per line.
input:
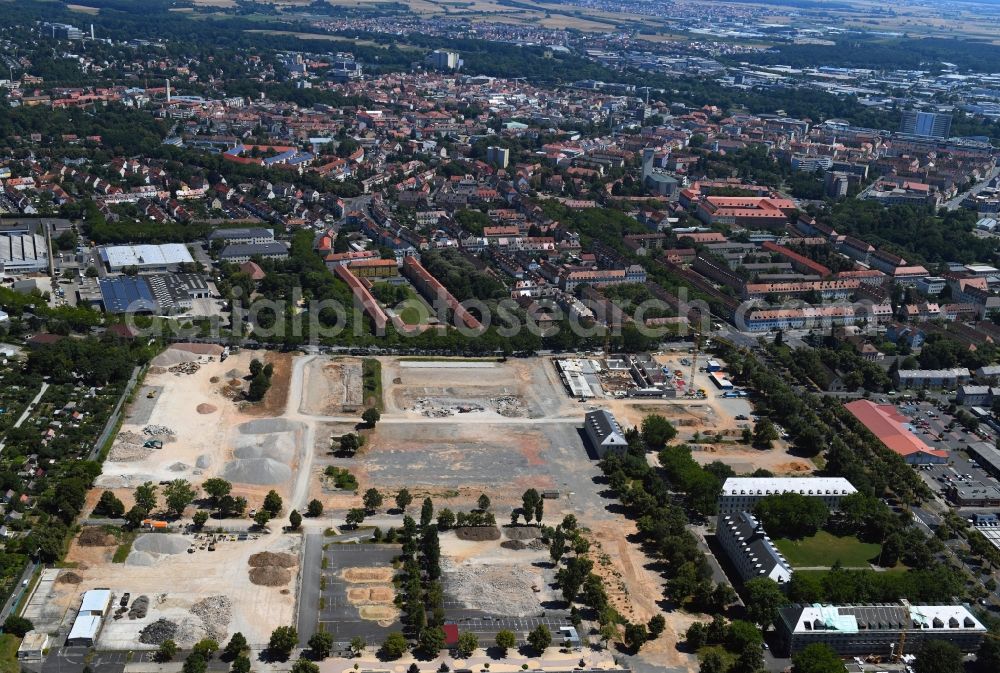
[157,431]
[157,632]
[508,405]
[184,368]
[215,612]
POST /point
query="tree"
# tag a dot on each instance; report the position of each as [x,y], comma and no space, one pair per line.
[145,496]
[295,519]
[315,508]
[696,636]
[17,626]
[635,636]
[206,647]
[657,431]
[178,494]
[216,489]
[272,503]
[110,506]
[712,662]
[236,645]
[608,633]
[426,513]
[938,656]
[529,503]
[791,515]
[467,644]
[540,638]
[431,640]
[256,367]
[446,519]
[304,666]
[349,443]
[241,664]
[195,663]
[656,625]
[135,516]
[741,635]
[200,519]
[403,499]
[283,640]
[372,500]
[259,386]
[764,433]
[483,503]
[371,416]
[506,640]
[817,658]
[321,644]
[395,645]
[167,651]
[261,517]
[358,645]
[763,598]
[988,656]
[354,517]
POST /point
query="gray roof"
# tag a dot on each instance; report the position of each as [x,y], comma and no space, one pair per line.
[253,249]
[240,233]
[603,425]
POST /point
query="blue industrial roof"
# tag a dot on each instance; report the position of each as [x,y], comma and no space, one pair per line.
[127,295]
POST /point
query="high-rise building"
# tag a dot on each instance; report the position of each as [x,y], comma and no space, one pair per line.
[497,156]
[444,60]
[927,124]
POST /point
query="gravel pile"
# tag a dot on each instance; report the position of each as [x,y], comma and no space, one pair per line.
[215,612]
[522,532]
[234,374]
[263,426]
[270,576]
[270,558]
[477,533]
[172,357]
[263,452]
[128,447]
[150,548]
[256,471]
[158,631]
[496,589]
[179,467]
[204,461]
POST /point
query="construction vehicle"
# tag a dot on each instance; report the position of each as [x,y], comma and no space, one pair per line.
[152,444]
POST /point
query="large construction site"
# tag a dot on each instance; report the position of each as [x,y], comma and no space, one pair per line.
[450,430]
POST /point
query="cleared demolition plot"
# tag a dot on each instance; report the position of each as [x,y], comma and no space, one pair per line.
[512,389]
[185,423]
[332,387]
[183,587]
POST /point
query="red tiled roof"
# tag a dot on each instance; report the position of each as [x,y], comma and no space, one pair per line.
[886,423]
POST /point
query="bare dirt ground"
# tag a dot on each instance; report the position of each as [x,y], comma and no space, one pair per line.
[255,610]
[332,387]
[210,433]
[744,459]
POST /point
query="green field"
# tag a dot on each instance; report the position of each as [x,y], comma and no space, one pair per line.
[824,549]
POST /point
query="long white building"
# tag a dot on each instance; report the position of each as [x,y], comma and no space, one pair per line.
[741,494]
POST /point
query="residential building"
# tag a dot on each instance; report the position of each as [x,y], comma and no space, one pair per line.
[604,433]
[749,548]
[932,378]
[244,252]
[928,124]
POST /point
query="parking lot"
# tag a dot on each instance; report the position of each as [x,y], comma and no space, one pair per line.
[930,423]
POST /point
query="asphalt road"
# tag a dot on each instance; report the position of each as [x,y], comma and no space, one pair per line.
[953,204]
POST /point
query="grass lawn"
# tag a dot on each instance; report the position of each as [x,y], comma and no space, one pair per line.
[371,375]
[8,653]
[124,547]
[824,549]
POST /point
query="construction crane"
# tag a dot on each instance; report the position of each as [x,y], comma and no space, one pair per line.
[694,362]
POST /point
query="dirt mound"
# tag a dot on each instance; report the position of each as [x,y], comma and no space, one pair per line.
[97,537]
[206,409]
[68,577]
[516,545]
[477,533]
[522,532]
[379,575]
[270,558]
[270,576]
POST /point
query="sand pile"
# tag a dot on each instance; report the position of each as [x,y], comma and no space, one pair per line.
[97,537]
[270,576]
[206,409]
[270,558]
[68,577]
[215,613]
[172,357]
[497,589]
